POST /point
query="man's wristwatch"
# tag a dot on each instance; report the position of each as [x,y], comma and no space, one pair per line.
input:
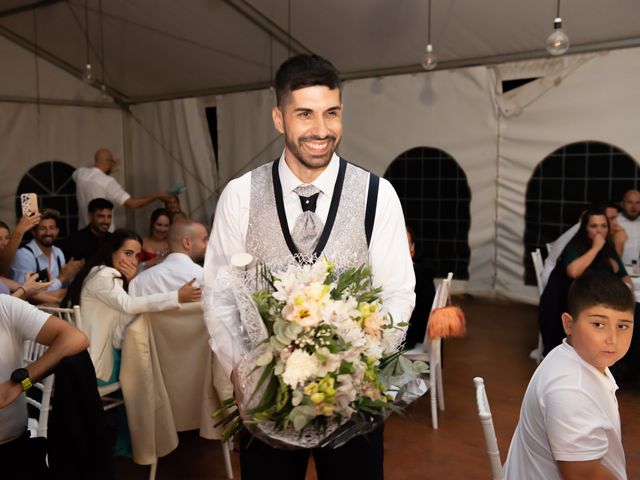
[21,376]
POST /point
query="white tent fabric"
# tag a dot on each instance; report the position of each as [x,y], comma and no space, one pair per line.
[498,139]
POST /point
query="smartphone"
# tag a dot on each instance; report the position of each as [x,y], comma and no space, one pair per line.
[29,202]
[43,276]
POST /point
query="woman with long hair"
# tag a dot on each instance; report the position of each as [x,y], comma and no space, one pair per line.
[155,246]
[100,289]
[591,249]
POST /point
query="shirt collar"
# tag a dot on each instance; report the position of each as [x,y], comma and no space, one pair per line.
[607,379]
[325,181]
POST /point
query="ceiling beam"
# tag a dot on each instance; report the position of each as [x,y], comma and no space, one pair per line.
[258,18]
[27,8]
[58,102]
[118,96]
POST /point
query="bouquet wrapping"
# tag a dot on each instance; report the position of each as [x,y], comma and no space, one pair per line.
[316,365]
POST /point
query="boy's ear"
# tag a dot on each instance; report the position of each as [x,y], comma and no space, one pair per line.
[567,323]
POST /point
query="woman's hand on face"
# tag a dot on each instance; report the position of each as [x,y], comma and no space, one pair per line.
[189,293]
[127,269]
[598,242]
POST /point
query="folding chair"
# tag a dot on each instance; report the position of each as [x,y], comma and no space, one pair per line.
[30,353]
[430,351]
[484,412]
[538,266]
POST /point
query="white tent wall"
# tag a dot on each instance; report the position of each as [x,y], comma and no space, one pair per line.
[594,97]
[32,134]
[167,143]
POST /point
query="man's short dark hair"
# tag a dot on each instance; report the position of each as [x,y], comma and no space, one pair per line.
[50,214]
[599,288]
[99,204]
[613,205]
[304,71]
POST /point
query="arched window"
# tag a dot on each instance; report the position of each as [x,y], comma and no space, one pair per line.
[564,183]
[435,197]
[52,182]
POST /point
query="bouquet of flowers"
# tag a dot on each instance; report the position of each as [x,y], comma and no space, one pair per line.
[325,370]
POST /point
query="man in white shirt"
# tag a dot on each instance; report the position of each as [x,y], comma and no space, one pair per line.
[20,321]
[40,255]
[188,243]
[569,423]
[630,221]
[258,213]
[96,182]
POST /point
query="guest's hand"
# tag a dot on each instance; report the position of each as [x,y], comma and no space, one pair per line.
[598,242]
[31,286]
[69,270]
[26,223]
[9,392]
[189,293]
[127,269]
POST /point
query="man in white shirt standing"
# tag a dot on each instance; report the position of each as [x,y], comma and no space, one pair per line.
[96,182]
[630,221]
[188,243]
[264,213]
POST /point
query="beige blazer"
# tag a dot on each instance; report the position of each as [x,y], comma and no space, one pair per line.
[171,381]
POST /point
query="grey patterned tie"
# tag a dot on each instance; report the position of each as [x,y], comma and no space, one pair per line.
[308,227]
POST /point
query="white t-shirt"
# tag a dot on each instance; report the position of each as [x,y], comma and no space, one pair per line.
[19,321]
[91,182]
[569,413]
[168,276]
[632,245]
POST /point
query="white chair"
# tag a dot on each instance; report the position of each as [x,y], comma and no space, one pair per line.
[538,266]
[73,316]
[38,427]
[430,351]
[484,412]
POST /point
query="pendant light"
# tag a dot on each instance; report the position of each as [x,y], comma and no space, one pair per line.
[429,59]
[557,41]
[87,74]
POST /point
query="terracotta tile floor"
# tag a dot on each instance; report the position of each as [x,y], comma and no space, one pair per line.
[500,337]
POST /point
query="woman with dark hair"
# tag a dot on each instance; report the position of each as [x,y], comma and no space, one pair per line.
[107,309]
[591,249]
[155,245]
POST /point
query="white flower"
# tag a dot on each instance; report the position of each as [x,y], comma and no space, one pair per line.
[299,367]
[330,363]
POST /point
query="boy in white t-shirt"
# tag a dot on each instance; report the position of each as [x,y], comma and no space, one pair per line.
[569,424]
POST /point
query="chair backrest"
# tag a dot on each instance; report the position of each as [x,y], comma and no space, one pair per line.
[538,265]
[440,299]
[484,412]
[31,351]
[71,315]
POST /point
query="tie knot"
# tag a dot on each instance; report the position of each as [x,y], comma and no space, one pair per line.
[308,197]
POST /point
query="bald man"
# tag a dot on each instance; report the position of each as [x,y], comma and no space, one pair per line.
[630,221]
[187,241]
[96,182]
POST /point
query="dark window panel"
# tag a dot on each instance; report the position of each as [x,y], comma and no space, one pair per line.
[598,166]
[575,167]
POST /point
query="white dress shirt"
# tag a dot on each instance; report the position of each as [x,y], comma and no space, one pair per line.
[25,262]
[569,413]
[91,182]
[168,276]
[632,245]
[388,250]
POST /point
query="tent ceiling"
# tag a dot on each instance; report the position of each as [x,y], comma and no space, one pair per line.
[156,49]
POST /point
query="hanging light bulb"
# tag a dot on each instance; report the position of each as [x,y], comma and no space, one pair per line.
[87,75]
[557,41]
[104,96]
[429,59]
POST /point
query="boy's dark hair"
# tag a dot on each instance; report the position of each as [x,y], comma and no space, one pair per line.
[305,71]
[599,288]
[99,204]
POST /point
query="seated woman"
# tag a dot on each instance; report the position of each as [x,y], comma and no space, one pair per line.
[591,249]
[107,309]
[155,245]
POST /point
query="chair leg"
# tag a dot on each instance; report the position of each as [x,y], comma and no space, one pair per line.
[439,387]
[153,470]
[434,406]
[227,458]
[540,349]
